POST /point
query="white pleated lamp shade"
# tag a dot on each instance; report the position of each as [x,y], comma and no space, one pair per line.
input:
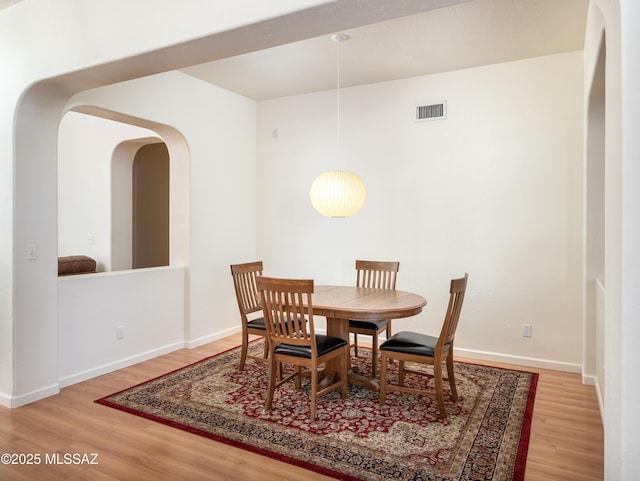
[338,194]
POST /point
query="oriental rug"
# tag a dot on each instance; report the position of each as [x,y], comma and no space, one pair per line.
[485,436]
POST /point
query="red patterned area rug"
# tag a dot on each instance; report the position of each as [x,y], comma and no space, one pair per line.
[485,437]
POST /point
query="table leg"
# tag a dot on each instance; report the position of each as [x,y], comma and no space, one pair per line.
[340,328]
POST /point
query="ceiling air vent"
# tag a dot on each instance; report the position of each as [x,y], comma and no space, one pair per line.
[431,112]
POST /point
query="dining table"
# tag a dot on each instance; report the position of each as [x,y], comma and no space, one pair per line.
[339,304]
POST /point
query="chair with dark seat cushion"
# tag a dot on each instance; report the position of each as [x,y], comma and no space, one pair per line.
[416,347]
[292,339]
[381,275]
[244,282]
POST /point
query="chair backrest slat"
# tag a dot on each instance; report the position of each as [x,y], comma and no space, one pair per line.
[285,304]
[378,274]
[244,282]
[456,297]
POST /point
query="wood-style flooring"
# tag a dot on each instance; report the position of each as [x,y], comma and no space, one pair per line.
[566,435]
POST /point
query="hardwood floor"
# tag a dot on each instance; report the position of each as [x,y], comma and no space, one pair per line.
[566,435]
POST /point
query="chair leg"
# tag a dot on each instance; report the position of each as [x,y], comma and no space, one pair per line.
[374,355]
[314,391]
[298,377]
[344,365]
[451,375]
[383,379]
[243,351]
[273,367]
[437,371]
[400,373]
[355,344]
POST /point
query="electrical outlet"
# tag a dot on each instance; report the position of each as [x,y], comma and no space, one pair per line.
[526,330]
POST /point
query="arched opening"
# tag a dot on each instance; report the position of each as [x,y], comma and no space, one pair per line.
[122,201]
[97,151]
[96,160]
[150,216]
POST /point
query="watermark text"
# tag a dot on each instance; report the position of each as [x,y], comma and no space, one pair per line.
[22,459]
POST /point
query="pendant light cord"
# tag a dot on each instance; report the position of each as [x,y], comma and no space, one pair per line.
[339,37]
[338,95]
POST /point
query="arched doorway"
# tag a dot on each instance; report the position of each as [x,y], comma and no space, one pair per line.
[150,206]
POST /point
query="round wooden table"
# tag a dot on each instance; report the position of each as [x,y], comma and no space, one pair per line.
[339,304]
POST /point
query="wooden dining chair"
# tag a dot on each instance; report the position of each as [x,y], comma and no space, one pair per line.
[408,346]
[381,275]
[292,339]
[244,282]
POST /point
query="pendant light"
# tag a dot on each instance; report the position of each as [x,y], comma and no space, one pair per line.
[338,193]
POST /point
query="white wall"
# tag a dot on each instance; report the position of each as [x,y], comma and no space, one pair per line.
[147,304]
[494,190]
[629,395]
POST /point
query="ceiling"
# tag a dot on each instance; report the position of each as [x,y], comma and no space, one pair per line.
[7,3]
[464,35]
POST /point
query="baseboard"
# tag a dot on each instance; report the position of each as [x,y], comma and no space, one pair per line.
[114,366]
[588,380]
[212,337]
[516,360]
[11,402]
[16,402]
[130,361]
[519,360]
